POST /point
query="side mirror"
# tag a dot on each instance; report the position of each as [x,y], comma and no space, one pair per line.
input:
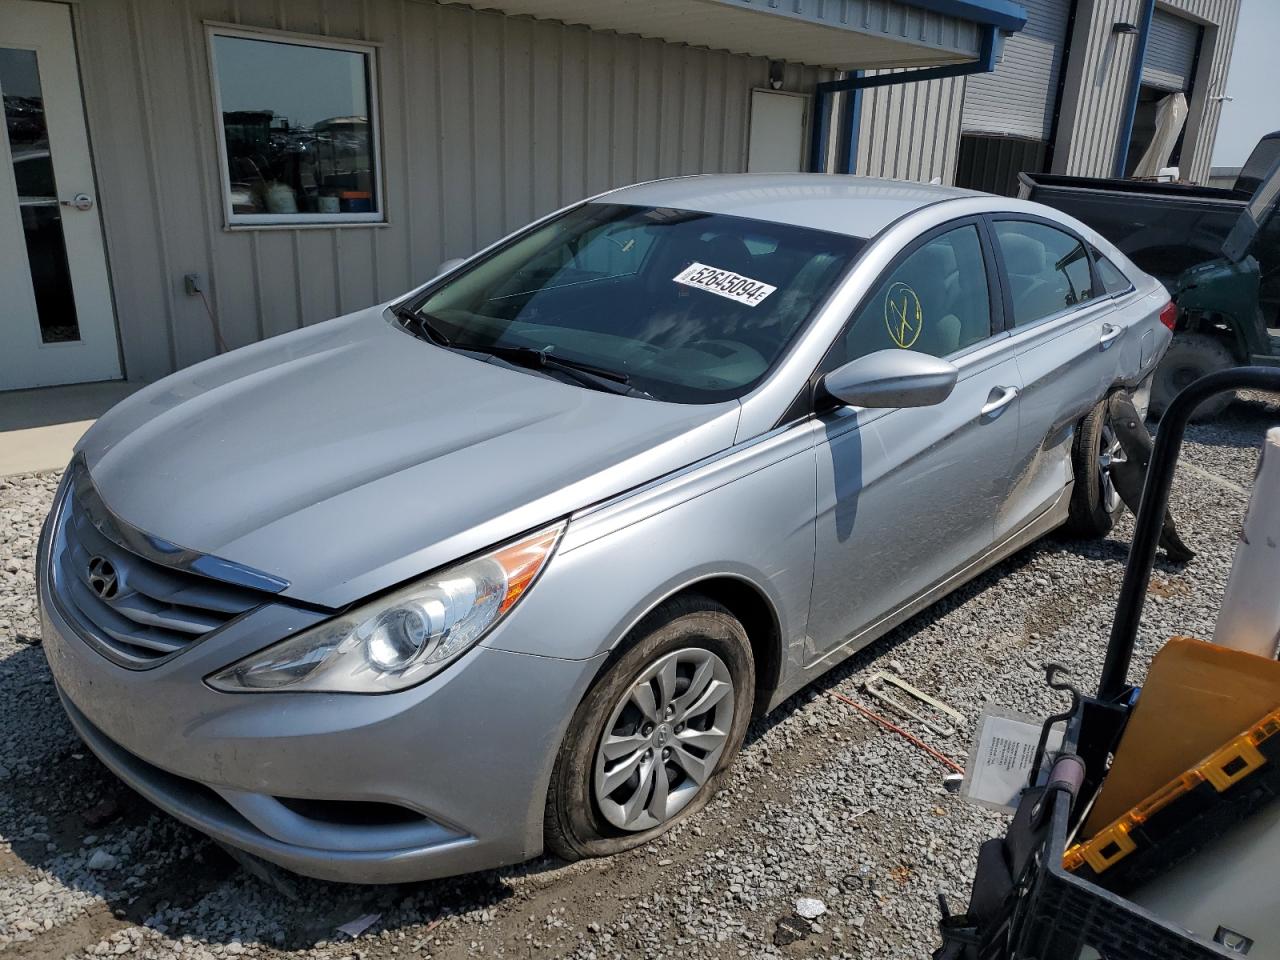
[892,378]
[453,263]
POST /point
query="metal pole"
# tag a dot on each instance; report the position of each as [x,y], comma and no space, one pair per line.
[1155,499]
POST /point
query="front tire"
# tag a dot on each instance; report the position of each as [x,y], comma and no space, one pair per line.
[650,743]
[1191,356]
[1095,503]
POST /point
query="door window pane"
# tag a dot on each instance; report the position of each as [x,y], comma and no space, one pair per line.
[298,129]
[37,195]
[1048,270]
[936,301]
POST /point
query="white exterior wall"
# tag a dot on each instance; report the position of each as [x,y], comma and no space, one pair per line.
[911,131]
[487,121]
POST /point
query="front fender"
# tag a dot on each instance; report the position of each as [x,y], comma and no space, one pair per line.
[747,515]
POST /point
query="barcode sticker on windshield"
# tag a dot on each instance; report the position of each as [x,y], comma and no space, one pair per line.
[724,283]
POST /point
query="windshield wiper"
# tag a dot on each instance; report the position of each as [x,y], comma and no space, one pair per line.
[422,323]
[586,374]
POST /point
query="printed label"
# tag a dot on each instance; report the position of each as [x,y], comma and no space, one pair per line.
[1000,758]
[724,283]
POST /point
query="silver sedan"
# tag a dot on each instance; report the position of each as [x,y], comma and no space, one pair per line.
[508,564]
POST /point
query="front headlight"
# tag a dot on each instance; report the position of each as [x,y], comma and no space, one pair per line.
[403,638]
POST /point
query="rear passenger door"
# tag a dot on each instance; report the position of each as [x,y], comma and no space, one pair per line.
[907,497]
[1060,321]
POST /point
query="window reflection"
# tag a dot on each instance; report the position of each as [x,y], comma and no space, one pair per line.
[298,128]
[37,195]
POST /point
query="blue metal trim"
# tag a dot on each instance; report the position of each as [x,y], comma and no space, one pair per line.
[821,131]
[1003,14]
[1135,82]
[985,63]
[821,128]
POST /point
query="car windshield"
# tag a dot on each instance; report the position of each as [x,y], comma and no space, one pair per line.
[680,305]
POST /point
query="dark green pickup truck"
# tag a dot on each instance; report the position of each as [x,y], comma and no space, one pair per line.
[1217,250]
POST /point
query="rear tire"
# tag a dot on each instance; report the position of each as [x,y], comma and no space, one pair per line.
[1190,357]
[696,641]
[1095,504]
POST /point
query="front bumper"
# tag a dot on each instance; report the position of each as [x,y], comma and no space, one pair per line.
[307,780]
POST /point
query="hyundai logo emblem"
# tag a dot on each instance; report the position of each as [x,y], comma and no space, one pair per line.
[103,579]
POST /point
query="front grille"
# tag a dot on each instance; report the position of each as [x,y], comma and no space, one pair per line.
[137,611]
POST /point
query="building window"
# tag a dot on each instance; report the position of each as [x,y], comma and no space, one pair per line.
[297,129]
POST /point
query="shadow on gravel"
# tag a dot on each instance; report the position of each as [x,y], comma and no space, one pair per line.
[60,807]
[1108,551]
[1240,426]
[885,645]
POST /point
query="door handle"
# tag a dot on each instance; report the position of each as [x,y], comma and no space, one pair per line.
[1110,332]
[81,201]
[1007,395]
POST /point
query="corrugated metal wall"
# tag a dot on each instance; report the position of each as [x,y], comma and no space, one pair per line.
[1210,80]
[1095,89]
[487,122]
[911,131]
[1097,84]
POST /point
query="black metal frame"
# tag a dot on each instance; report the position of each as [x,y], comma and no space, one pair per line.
[1114,683]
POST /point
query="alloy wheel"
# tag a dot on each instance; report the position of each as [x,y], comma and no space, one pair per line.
[663,739]
[1110,452]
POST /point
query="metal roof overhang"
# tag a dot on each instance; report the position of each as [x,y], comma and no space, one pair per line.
[841,34]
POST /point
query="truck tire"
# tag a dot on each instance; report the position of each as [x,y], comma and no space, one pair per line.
[1095,503]
[1190,357]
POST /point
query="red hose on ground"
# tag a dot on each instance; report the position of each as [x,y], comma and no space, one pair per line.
[889,725]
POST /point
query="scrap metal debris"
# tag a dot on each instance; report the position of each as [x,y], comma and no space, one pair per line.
[874,686]
[1130,475]
[353,928]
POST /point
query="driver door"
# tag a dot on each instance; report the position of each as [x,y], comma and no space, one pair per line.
[907,498]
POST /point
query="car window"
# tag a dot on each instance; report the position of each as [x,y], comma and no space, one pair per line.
[688,306]
[1048,269]
[1113,281]
[616,252]
[935,301]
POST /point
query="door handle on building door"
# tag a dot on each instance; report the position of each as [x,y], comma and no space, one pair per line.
[1110,332]
[1006,397]
[81,201]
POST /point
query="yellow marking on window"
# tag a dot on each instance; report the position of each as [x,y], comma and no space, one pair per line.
[903,315]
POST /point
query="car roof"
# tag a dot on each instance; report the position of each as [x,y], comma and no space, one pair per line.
[856,206]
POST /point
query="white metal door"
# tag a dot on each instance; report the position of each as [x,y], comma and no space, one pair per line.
[775,142]
[56,320]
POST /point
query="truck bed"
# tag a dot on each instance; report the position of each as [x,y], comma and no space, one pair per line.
[1162,227]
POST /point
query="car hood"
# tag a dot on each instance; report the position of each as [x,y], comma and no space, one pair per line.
[350,456]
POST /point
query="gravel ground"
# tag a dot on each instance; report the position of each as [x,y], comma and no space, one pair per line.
[821,803]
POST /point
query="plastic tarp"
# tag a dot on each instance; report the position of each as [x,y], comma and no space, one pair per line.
[1171,114]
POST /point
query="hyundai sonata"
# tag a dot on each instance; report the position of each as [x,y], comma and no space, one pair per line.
[508,564]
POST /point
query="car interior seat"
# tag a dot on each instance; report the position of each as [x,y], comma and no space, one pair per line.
[680,316]
[935,273]
[1032,278]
